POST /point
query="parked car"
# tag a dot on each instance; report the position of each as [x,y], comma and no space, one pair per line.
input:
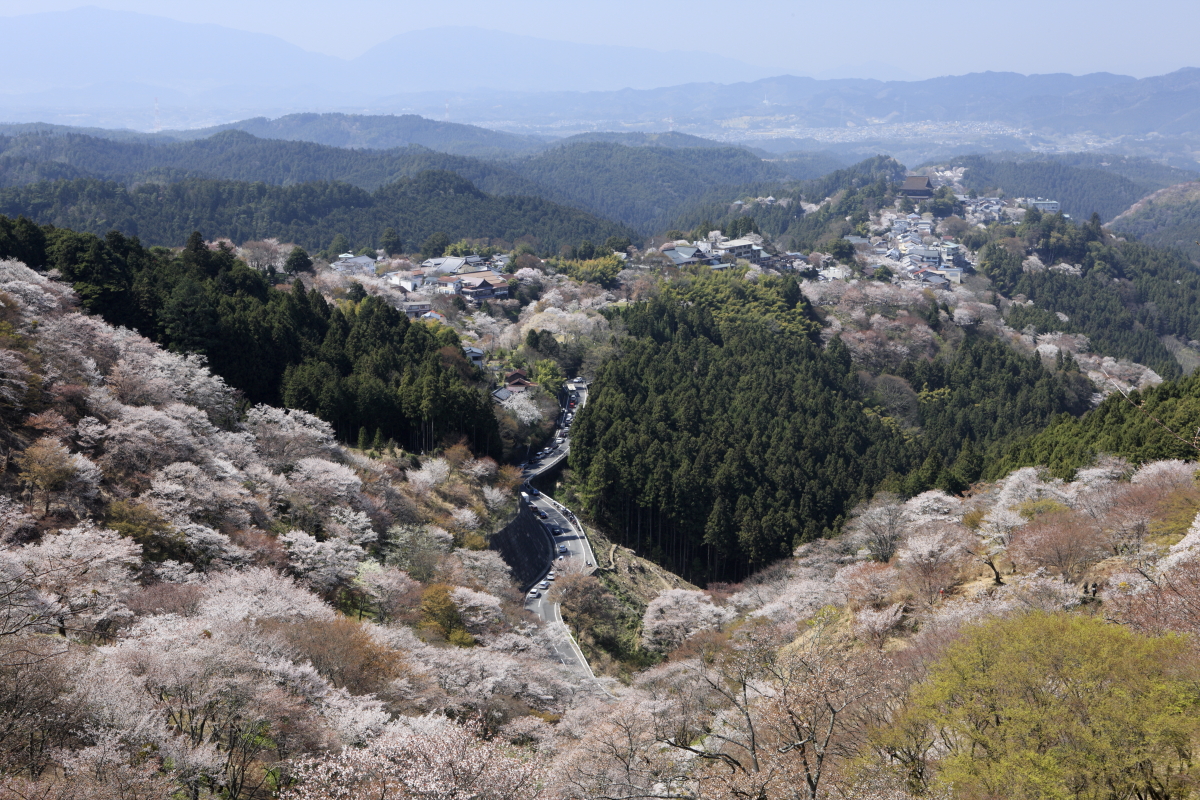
[562,548]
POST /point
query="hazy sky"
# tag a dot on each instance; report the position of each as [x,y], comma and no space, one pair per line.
[804,37]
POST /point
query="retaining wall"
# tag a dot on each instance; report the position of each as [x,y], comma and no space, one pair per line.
[526,546]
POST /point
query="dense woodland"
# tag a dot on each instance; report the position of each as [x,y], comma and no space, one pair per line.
[361,131]
[855,192]
[723,435]
[1127,296]
[1150,425]
[360,365]
[236,156]
[1083,184]
[1171,221]
[310,214]
[643,187]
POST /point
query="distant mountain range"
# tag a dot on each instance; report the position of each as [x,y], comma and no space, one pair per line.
[648,181]
[100,61]
[1106,104]
[203,76]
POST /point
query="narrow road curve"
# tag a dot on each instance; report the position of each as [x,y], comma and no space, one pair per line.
[567,547]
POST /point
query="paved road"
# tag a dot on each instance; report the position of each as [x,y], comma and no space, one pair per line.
[570,552]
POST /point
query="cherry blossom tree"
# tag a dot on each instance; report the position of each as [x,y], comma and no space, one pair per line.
[494,498]
[678,614]
[71,581]
[931,560]
[417,548]
[14,379]
[618,756]
[433,472]
[486,570]
[143,438]
[875,626]
[867,583]
[1060,541]
[388,590]
[480,611]
[14,520]
[445,761]
[482,469]
[325,566]
[325,483]
[881,527]
[284,436]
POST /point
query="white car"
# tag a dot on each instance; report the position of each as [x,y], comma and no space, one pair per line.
[534,593]
[550,577]
[544,585]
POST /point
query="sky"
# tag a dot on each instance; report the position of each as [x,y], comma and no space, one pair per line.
[801,37]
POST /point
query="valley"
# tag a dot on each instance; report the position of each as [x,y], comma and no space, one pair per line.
[604,434]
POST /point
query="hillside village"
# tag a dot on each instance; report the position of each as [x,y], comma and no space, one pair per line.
[913,252]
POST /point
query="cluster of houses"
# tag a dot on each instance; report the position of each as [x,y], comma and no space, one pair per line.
[714,249]
[984,210]
[937,263]
[515,382]
[910,248]
[472,277]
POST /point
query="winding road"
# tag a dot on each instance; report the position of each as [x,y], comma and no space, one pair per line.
[569,552]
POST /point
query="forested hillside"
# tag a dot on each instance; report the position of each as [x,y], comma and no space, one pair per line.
[1158,423]
[1168,218]
[239,156]
[197,595]
[723,435]
[379,132]
[1125,298]
[357,365]
[644,187]
[1082,190]
[211,600]
[310,214]
[856,192]
[1143,171]
[804,165]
